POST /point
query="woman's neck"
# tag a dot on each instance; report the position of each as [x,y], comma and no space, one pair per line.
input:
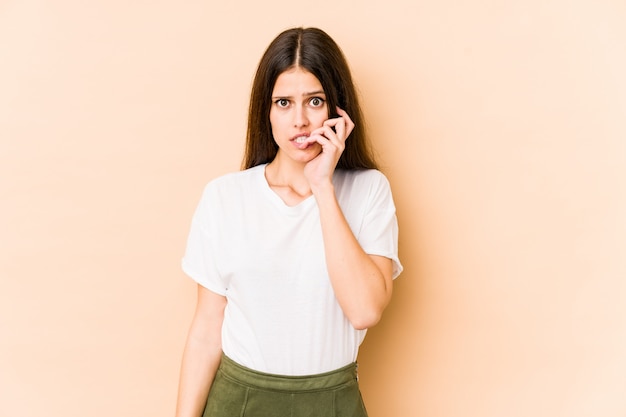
[287,180]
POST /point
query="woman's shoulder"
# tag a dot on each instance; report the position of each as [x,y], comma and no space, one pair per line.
[361,178]
[236,178]
[233,183]
[360,191]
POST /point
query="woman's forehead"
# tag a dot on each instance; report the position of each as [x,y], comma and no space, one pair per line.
[297,82]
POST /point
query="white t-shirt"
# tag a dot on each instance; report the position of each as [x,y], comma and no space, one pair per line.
[268,260]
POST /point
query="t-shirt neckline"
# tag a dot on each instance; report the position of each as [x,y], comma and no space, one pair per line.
[277,200]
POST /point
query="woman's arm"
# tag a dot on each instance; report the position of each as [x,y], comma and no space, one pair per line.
[362,283]
[202,354]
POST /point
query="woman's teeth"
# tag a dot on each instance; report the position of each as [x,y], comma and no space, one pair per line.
[301,139]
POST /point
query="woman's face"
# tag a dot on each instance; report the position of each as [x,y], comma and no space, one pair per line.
[298,107]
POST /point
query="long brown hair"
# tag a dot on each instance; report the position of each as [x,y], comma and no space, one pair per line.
[313,50]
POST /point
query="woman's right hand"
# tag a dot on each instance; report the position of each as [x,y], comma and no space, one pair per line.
[202,355]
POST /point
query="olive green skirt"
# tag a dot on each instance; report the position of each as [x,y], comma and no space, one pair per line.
[238,391]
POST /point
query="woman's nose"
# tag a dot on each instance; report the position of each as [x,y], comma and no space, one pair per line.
[300,117]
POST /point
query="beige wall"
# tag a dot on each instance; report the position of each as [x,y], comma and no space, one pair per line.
[499,123]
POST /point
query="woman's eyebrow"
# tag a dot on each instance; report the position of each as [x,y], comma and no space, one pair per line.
[312,93]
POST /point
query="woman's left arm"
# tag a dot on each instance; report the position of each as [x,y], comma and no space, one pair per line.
[362,283]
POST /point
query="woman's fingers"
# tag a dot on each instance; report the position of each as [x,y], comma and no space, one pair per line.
[349,124]
[326,137]
[332,137]
[334,131]
[337,128]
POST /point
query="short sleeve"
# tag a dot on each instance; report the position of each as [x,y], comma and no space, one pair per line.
[201,254]
[379,230]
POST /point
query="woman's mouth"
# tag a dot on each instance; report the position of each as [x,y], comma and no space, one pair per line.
[300,139]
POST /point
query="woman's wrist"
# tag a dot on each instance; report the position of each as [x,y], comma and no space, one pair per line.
[324,190]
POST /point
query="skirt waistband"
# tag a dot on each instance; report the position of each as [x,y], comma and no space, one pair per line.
[288,383]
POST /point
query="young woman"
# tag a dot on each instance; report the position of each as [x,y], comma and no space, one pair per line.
[295,255]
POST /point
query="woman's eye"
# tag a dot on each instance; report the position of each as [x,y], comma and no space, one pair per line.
[282,102]
[316,102]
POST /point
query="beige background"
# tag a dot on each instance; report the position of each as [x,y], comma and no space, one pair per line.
[500,125]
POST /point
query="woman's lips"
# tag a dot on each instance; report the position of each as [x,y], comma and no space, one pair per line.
[301,141]
[300,137]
